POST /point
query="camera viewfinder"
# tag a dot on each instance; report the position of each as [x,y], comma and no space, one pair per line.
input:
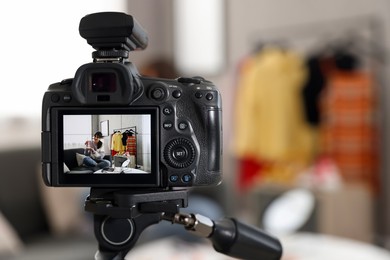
[103,82]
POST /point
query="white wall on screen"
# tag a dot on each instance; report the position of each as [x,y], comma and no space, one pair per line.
[77,130]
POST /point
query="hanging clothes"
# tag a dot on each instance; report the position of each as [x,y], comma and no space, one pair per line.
[270,127]
[131,144]
[348,129]
[116,144]
[124,137]
[312,89]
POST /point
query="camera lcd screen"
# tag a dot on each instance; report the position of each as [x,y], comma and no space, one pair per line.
[108,146]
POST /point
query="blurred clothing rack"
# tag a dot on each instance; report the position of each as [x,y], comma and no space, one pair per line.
[303,36]
[370,28]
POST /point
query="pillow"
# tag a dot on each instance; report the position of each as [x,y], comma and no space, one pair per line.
[80,158]
[10,243]
[66,168]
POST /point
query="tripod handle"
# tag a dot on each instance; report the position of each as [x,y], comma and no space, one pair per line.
[231,237]
[236,239]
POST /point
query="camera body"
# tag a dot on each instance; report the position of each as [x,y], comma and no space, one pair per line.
[173,126]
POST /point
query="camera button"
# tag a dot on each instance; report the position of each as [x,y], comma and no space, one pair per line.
[183,125]
[198,95]
[176,94]
[180,154]
[209,96]
[189,80]
[55,98]
[67,98]
[158,94]
[174,178]
[66,82]
[186,178]
[167,110]
[167,125]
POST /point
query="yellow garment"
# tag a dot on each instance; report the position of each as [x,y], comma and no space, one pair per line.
[269,120]
[116,143]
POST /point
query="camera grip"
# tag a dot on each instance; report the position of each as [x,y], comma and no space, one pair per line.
[214,139]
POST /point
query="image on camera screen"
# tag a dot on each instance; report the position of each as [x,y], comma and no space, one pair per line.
[107,143]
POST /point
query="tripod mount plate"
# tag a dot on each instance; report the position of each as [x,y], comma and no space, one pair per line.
[130,204]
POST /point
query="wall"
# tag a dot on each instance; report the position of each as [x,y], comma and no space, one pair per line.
[48,45]
[156,18]
[77,130]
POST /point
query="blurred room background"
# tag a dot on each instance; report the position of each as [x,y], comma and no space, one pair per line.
[305,89]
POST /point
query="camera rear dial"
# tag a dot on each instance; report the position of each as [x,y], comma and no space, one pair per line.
[179,153]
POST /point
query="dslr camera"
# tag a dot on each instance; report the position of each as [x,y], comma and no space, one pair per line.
[138,142]
[156,133]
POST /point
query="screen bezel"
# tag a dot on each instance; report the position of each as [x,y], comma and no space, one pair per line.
[151,179]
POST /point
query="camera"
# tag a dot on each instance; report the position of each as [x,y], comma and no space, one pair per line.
[155,133]
[138,142]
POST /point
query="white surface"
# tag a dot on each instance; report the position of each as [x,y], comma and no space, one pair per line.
[302,246]
[307,246]
[171,248]
[289,212]
[118,170]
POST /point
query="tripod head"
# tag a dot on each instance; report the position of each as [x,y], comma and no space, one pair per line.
[120,216]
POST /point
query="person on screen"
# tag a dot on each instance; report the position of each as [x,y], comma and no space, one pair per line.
[94,152]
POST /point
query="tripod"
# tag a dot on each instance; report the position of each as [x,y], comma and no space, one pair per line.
[120,216]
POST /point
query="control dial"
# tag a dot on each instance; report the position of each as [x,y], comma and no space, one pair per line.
[179,153]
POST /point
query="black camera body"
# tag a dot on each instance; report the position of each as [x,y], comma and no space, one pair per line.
[175,124]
